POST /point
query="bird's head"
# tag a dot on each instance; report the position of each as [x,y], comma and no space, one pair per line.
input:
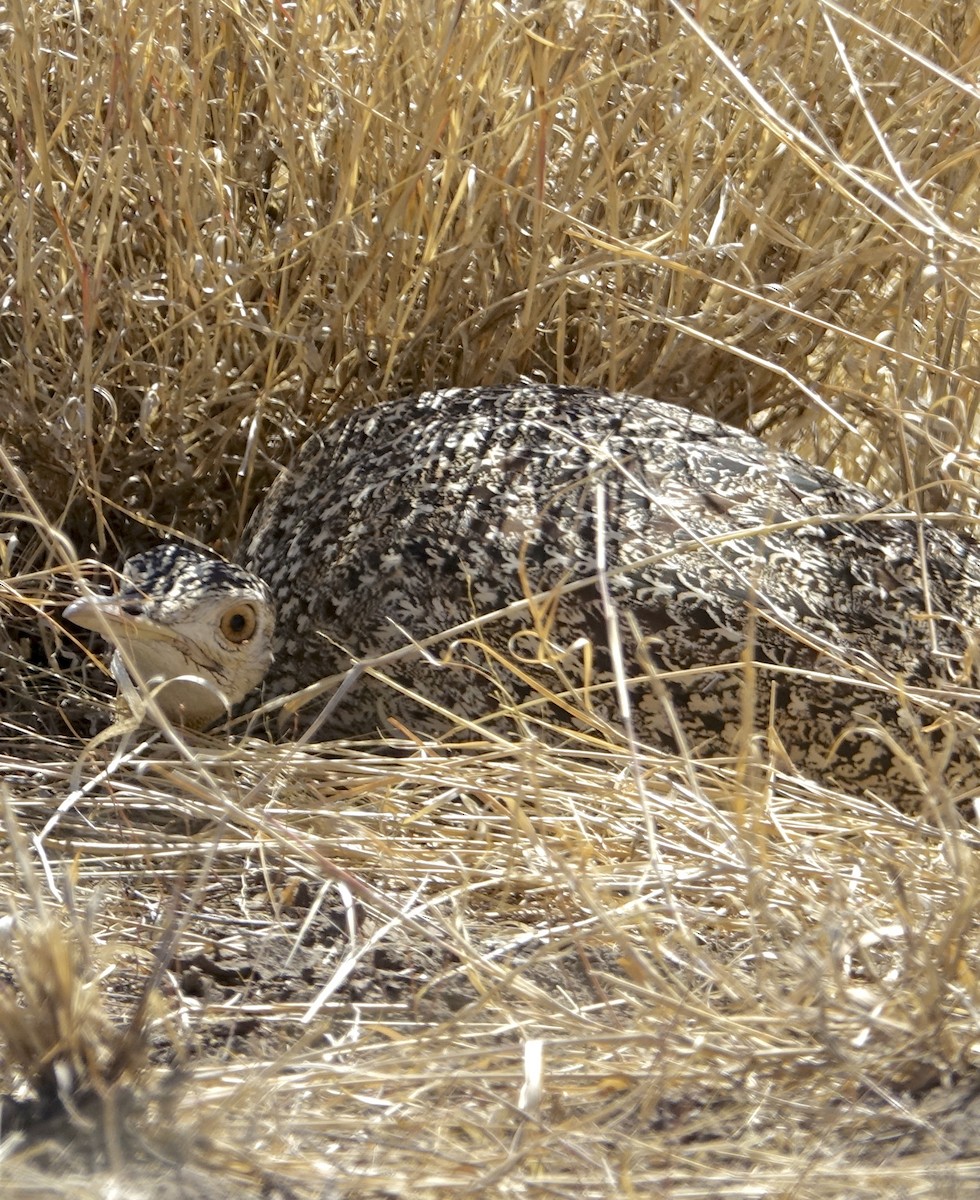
[201,625]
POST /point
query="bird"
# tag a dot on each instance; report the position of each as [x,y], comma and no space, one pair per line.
[578,564]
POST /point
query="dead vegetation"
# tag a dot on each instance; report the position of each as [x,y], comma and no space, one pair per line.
[240,968]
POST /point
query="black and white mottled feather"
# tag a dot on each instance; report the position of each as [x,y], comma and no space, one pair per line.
[726,566]
[655,558]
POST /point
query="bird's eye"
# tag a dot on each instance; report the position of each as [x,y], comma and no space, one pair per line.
[238,623]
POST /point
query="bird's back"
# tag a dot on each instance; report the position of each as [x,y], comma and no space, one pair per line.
[702,547]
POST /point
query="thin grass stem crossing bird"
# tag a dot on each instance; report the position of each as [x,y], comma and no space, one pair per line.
[654,571]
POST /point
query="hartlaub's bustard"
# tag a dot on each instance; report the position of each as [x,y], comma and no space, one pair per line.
[716,564]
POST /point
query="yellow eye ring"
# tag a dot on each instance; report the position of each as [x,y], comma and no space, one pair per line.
[238,623]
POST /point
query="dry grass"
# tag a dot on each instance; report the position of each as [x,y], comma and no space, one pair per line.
[498,974]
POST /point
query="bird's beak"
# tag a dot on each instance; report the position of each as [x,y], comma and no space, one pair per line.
[104,614]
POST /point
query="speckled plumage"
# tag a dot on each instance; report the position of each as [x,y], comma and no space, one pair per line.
[174,577]
[412,517]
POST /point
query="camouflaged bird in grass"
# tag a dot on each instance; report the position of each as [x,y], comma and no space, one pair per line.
[658,560]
